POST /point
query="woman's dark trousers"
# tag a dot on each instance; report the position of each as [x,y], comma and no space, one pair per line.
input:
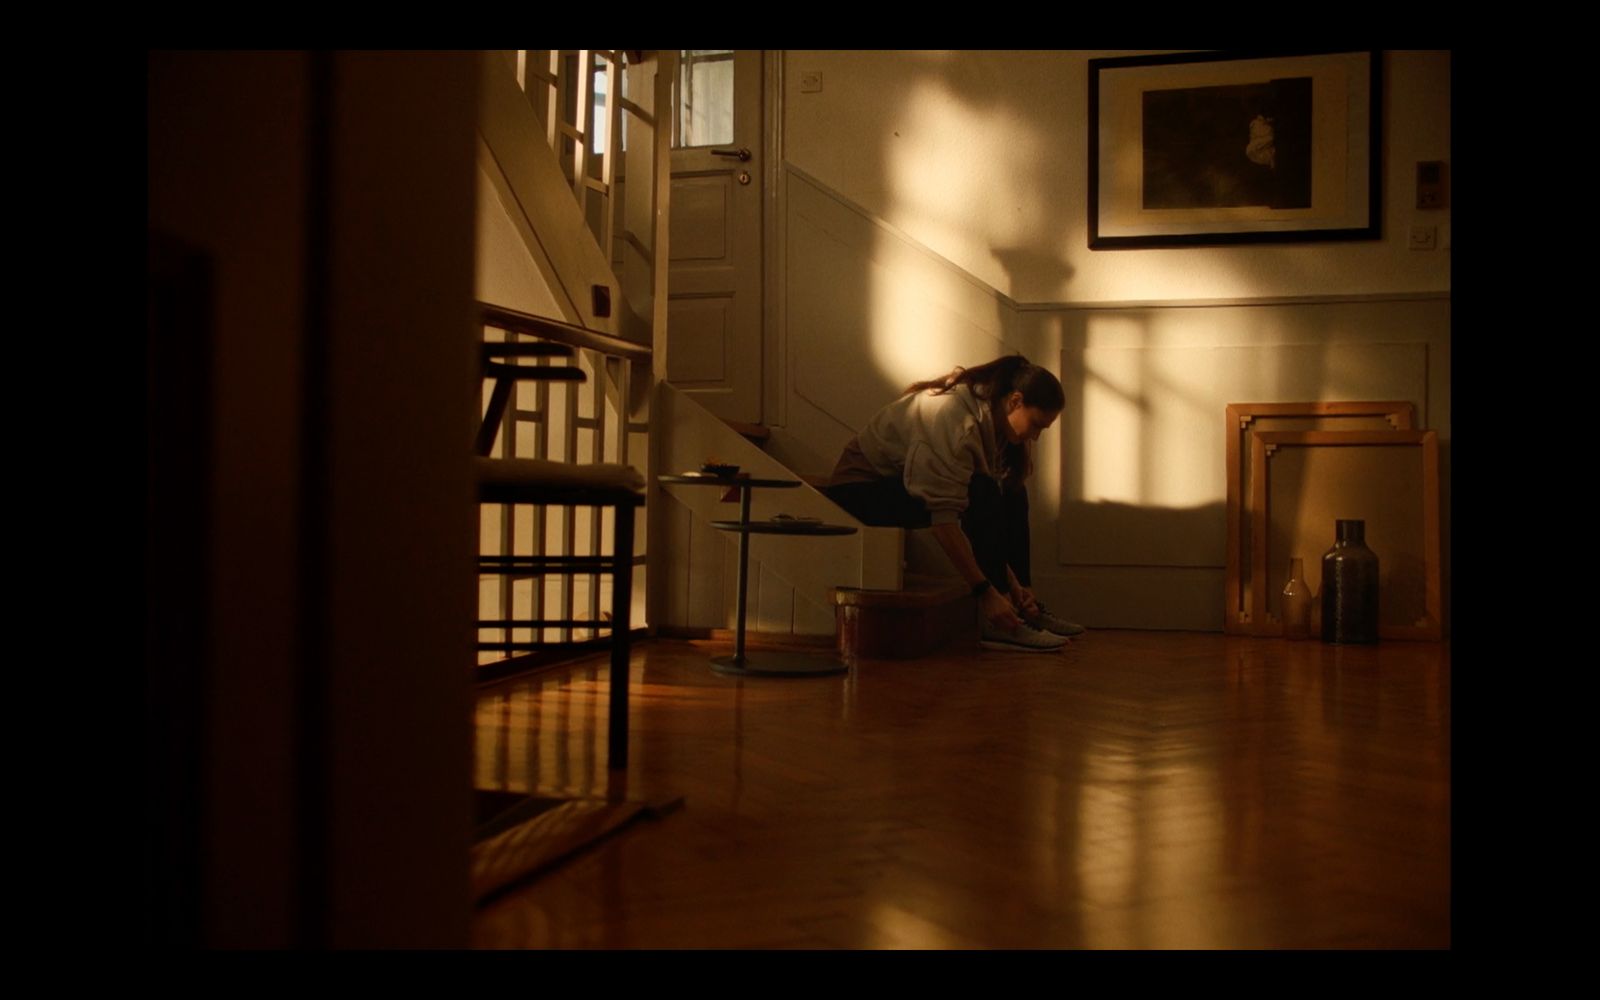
[995,521]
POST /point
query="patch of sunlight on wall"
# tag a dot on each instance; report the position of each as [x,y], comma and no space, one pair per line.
[1113,417]
[915,337]
[1149,435]
[1183,436]
[943,170]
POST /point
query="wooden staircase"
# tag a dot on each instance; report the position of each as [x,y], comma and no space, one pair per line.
[756,434]
[551,157]
[592,216]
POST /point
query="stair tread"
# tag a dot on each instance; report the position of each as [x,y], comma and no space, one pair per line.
[759,432]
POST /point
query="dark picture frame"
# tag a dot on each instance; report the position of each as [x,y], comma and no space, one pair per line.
[1235,147]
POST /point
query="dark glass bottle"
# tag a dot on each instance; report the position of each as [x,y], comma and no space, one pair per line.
[1350,587]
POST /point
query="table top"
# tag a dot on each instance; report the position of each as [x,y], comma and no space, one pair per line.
[703,480]
[784,528]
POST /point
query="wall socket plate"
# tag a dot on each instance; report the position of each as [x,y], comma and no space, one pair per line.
[1424,237]
[811,82]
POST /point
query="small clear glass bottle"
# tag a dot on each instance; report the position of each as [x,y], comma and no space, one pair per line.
[1297,603]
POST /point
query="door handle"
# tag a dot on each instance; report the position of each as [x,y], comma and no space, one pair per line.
[742,154]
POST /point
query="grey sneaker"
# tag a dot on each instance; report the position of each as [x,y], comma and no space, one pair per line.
[1043,620]
[1023,638]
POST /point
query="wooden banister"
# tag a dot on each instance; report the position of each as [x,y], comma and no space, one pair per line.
[561,332]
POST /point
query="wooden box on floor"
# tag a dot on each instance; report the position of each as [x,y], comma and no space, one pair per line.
[929,616]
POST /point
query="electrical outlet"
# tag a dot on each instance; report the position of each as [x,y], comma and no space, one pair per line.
[811,82]
[1424,237]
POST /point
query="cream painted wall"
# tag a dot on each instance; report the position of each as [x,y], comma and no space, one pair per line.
[506,273]
[927,195]
[980,156]
[1136,481]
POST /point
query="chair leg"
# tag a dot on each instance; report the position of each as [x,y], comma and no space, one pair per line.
[621,628]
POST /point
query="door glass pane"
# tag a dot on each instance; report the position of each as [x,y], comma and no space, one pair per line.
[597,114]
[622,85]
[705,98]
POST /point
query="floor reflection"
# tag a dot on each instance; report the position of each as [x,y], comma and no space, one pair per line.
[1142,790]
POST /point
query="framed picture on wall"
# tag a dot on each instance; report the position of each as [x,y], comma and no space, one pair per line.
[1222,148]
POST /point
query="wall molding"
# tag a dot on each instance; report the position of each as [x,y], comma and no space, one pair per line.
[890,228]
[1232,302]
[1431,295]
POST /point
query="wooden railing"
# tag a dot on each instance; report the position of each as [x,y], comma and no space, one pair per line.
[542,328]
[603,419]
[583,120]
[585,133]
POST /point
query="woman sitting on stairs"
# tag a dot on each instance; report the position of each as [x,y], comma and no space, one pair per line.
[955,453]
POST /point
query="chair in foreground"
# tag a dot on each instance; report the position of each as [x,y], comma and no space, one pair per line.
[546,483]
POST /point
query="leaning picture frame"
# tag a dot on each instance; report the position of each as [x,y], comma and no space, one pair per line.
[1241,422]
[1387,479]
[1234,147]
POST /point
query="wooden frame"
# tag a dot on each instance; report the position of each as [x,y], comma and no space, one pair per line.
[1241,420]
[1266,444]
[1225,148]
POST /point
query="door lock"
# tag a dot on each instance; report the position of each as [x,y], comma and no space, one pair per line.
[744,177]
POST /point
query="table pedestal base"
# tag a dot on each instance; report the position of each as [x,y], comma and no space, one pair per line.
[777,663]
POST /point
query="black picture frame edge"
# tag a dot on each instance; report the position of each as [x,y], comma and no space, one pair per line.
[1373,230]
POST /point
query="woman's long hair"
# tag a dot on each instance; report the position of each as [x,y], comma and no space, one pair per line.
[995,381]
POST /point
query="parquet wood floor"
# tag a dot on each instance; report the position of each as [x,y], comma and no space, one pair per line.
[1140,790]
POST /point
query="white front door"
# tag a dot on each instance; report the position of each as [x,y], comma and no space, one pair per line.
[714,300]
